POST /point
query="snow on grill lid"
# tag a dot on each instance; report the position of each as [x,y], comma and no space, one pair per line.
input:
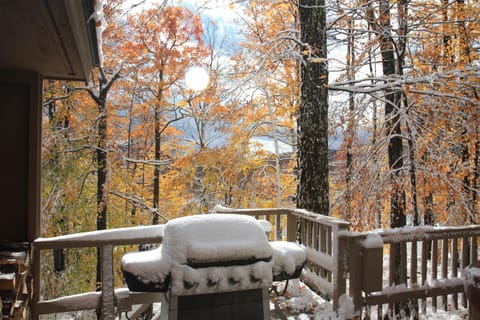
[211,237]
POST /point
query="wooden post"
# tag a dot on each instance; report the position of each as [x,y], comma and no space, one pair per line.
[473,249]
[278,227]
[36,283]
[434,269]
[454,271]
[356,274]
[445,270]
[472,279]
[339,280]
[465,256]
[426,245]
[108,288]
[291,227]
[413,277]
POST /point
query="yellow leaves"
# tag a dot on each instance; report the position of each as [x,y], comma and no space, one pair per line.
[219,109]
[182,103]
[283,7]
[269,13]
[170,131]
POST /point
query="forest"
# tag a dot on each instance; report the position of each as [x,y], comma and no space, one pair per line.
[136,146]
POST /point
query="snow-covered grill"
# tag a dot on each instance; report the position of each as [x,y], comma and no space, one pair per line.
[214,266]
[212,253]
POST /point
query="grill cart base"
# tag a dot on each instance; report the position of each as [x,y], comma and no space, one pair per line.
[236,305]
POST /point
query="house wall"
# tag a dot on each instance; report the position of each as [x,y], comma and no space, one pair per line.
[20,141]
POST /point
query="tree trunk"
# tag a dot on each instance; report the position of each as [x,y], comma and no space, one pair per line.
[56,125]
[413,177]
[99,95]
[393,131]
[447,56]
[402,9]
[476,175]
[156,171]
[101,182]
[278,174]
[102,170]
[313,114]
[350,134]
[392,116]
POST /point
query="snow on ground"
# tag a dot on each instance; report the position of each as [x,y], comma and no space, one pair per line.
[300,303]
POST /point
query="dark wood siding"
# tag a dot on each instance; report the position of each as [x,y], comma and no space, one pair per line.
[19,156]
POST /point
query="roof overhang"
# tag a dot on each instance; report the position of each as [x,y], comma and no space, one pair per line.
[56,38]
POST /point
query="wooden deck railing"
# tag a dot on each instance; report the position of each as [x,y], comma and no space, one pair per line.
[339,262]
[109,299]
[429,268]
[324,271]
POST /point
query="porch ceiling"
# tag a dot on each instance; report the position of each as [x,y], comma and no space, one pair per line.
[52,37]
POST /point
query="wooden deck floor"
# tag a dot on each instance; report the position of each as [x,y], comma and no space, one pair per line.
[298,302]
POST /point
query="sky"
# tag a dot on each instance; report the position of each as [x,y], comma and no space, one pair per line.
[219,11]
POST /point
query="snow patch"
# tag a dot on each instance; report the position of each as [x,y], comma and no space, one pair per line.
[345,308]
[100,25]
[216,237]
[287,256]
[189,281]
[302,302]
[233,250]
[373,240]
[471,276]
[151,266]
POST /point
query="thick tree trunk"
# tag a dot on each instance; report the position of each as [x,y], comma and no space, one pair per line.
[313,114]
[392,116]
[395,145]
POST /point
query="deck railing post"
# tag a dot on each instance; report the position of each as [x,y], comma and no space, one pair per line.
[339,252]
[35,263]
[108,286]
[474,249]
[278,227]
[291,227]
[356,272]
